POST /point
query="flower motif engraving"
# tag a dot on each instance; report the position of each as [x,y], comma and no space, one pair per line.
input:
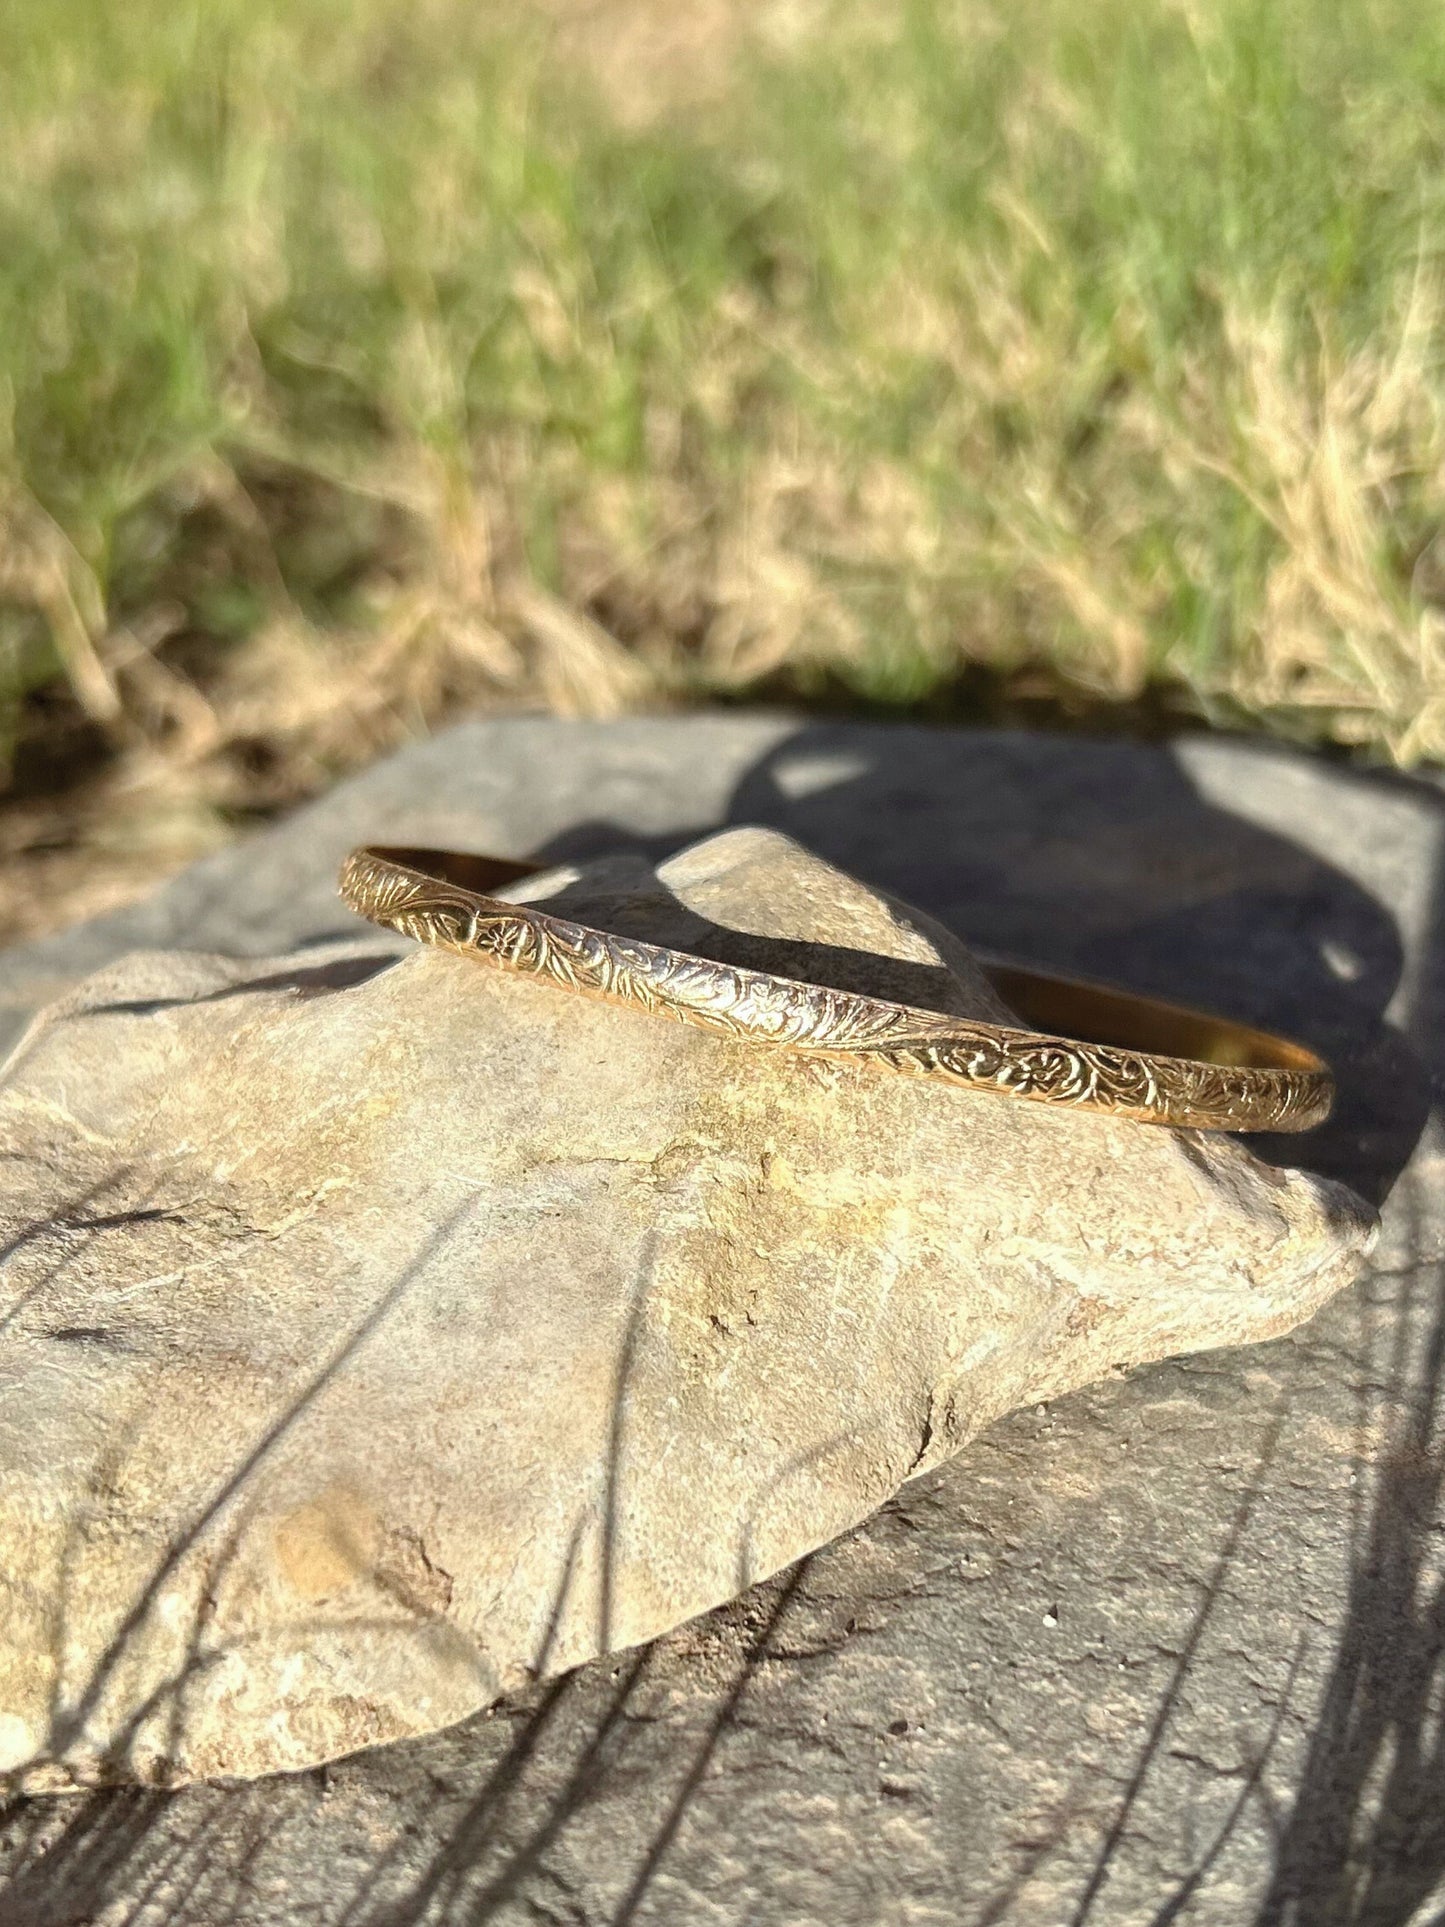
[773,1011]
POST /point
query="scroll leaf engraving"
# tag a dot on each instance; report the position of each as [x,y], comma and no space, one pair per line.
[774,1011]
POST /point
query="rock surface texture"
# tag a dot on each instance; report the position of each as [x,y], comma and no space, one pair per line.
[380,1335]
[1168,1646]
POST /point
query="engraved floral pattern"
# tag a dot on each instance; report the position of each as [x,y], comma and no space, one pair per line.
[782,1011]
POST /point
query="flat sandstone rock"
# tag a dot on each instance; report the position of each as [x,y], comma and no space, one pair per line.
[378,1335]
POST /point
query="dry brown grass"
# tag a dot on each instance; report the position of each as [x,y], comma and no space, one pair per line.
[819,350]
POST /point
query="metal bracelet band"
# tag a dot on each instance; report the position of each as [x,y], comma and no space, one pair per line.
[1096,1049]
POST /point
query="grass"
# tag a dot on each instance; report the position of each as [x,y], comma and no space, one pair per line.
[360,359]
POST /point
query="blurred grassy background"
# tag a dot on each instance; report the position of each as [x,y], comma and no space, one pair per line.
[365,359]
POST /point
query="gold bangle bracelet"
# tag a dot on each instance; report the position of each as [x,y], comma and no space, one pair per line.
[1094,1049]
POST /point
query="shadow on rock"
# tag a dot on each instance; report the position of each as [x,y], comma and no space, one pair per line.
[1105,862]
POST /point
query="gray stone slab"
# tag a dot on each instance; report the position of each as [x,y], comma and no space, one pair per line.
[1171,1649]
